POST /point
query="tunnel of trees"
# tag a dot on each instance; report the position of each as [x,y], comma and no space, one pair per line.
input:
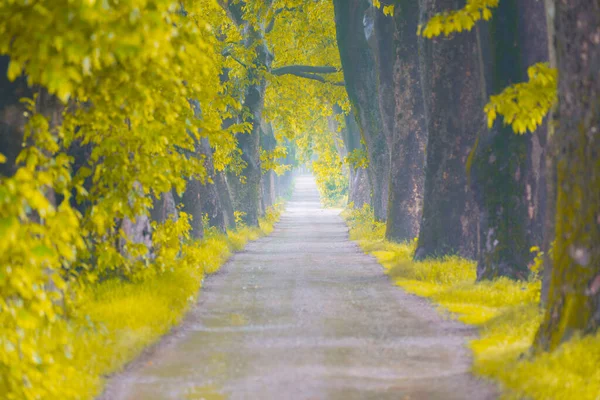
[472,127]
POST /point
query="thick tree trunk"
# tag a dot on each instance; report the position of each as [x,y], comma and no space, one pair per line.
[360,74]
[500,168]
[210,198]
[574,293]
[409,128]
[452,91]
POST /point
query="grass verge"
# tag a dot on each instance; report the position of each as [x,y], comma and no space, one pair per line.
[506,312]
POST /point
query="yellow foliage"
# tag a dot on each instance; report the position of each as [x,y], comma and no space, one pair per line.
[460,20]
[506,312]
[524,105]
[115,320]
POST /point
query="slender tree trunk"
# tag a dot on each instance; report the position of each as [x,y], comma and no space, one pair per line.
[452,91]
[574,294]
[409,134]
[360,74]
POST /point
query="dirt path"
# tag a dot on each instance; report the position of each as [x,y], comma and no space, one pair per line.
[303,314]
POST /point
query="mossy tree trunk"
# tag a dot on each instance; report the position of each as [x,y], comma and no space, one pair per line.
[360,74]
[450,77]
[500,164]
[573,305]
[408,121]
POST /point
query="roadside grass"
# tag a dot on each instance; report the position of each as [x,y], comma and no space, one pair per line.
[116,320]
[506,312]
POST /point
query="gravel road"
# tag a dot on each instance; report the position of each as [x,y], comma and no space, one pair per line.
[304,314]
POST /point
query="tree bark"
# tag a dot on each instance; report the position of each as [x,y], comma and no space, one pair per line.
[360,75]
[574,293]
[409,128]
[450,76]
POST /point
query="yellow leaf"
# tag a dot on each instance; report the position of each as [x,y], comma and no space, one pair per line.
[14,70]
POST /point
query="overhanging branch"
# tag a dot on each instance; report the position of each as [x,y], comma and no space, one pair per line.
[304,69]
[314,77]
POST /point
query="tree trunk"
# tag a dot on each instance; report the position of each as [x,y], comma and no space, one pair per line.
[225,198]
[359,188]
[450,76]
[192,205]
[164,208]
[409,128]
[574,292]
[500,168]
[360,74]
[211,201]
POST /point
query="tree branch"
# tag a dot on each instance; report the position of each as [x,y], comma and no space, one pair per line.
[271,25]
[304,69]
[313,77]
